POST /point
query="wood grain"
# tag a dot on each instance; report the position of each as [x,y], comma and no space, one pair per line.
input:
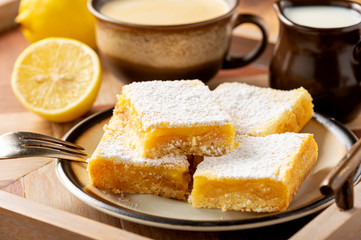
[11,45]
[15,187]
[333,224]
[10,122]
[43,186]
[24,219]
[13,169]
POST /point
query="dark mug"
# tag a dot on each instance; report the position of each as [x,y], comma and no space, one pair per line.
[198,50]
[325,61]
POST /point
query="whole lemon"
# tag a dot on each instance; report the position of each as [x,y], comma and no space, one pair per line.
[57,18]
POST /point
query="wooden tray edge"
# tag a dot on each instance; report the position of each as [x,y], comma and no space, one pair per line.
[22,218]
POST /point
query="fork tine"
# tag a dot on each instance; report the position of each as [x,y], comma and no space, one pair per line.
[22,144]
[41,137]
[52,153]
[42,144]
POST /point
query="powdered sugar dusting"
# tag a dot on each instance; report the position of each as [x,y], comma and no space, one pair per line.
[181,103]
[256,157]
[114,146]
[252,106]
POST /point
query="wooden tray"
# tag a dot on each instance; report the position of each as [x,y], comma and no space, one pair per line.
[35,205]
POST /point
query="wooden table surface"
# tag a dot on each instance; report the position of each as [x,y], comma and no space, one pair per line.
[34,204]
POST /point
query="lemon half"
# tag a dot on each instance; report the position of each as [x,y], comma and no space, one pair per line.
[57,78]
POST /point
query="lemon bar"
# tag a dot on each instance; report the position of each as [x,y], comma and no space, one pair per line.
[177,117]
[260,111]
[114,165]
[262,175]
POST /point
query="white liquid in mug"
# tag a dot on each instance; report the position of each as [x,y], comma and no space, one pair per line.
[323,16]
[164,12]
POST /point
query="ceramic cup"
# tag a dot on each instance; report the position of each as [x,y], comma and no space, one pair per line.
[325,61]
[198,50]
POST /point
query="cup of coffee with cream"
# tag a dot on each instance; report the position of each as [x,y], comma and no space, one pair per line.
[319,48]
[170,39]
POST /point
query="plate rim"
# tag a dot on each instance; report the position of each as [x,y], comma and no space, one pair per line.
[62,169]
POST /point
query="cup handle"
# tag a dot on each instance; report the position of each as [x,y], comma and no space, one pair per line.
[239,61]
[357,51]
[357,55]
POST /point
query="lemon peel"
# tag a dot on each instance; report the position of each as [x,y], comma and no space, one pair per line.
[41,19]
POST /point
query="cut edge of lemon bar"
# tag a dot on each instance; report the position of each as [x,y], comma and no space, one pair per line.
[177,117]
[115,166]
[258,111]
[262,175]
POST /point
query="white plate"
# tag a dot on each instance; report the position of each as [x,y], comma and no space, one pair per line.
[333,140]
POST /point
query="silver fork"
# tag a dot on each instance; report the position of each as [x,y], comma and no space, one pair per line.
[28,144]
